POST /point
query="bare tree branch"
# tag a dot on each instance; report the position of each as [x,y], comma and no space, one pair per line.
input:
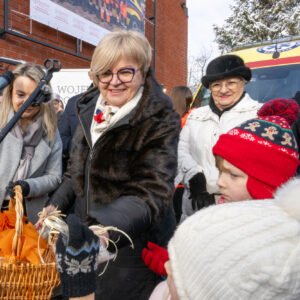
[197,65]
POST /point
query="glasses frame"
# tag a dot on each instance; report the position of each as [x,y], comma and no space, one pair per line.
[117,73]
[227,83]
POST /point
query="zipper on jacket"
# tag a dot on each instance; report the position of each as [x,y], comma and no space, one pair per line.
[88,179]
[87,169]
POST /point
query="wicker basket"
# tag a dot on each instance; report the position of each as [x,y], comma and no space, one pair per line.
[22,280]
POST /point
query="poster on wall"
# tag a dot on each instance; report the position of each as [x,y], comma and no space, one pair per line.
[89,20]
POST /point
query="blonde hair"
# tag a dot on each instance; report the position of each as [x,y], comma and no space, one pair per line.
[35,73]
[182,98]
[120,44]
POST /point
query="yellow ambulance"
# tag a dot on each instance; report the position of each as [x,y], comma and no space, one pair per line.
[275,70]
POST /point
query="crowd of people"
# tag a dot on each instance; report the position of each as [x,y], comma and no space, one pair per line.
[208,195]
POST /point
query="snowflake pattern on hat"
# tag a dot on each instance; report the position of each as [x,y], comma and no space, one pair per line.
[248,136]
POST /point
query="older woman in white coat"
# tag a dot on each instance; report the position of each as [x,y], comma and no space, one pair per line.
[229,106]
[30,154]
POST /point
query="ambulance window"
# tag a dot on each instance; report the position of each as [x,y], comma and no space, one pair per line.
[274,82]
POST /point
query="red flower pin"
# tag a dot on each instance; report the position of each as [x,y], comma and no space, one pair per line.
[98,117]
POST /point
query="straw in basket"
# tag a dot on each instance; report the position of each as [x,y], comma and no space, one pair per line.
[21,280]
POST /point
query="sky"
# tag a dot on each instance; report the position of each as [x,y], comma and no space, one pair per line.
[202,15]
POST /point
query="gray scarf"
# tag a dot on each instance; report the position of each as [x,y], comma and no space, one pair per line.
[30,137]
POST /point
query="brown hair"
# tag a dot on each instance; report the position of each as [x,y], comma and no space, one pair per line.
[182,98]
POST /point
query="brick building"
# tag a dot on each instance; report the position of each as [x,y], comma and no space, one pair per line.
[166,22]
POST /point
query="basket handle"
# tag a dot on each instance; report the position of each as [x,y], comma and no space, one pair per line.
[17,203]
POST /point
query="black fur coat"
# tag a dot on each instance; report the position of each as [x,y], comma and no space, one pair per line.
[134,162]
[126,180]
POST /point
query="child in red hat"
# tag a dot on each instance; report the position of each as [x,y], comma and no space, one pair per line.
[254,159]
[258,156]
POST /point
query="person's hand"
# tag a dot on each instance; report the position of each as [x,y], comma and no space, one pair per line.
[155,257]
[24,186]
[76,259]
[46,211]
[103,236]
[198,194]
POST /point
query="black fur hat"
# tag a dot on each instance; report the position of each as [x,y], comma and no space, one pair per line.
[225,66]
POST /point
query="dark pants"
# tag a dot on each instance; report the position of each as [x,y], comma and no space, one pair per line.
[127,277]
[177,202]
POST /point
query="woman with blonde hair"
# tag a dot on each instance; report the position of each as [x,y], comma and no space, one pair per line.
[30,154]
[123,162]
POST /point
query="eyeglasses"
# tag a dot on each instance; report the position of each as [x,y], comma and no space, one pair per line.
[229,84]
[125,75]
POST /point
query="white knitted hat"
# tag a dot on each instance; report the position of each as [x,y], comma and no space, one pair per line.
[244,250]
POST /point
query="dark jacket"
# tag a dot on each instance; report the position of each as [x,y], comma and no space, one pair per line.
[67,125]
[126,180]
[296,131]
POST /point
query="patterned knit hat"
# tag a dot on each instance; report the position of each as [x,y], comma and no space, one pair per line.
[264,148]
[242,250]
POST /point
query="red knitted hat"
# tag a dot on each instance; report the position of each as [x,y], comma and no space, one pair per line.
[265,149]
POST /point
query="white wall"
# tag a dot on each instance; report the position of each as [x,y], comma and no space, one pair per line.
[70,82]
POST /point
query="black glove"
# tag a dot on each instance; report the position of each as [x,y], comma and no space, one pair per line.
[24,185]
[198,193]
[76,259]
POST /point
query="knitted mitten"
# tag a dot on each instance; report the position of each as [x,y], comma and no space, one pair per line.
[76,259]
